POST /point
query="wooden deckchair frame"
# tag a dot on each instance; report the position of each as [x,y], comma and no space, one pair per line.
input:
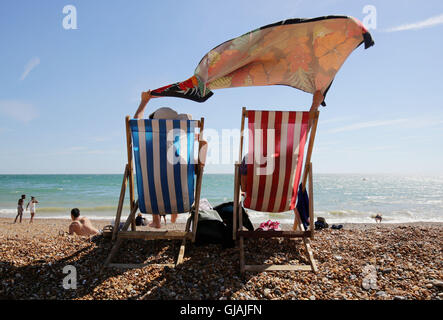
[128,178]
[306,235]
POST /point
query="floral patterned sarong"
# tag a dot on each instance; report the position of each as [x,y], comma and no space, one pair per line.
[302,53]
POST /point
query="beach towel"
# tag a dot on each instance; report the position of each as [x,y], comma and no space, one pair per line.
[301,53]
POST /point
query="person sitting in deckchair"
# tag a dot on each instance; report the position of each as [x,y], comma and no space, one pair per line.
[316,101]
[161,113]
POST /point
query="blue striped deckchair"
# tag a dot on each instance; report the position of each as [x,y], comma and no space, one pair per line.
[165,169]
[164,163]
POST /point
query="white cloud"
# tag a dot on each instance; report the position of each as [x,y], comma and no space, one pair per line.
[34,62]
[333,120]
[425,122]
[78,150]
[368,124]
[18,110]
[433,21]
[404,123]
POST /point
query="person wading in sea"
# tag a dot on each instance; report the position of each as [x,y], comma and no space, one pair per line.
[31,206]
[20,208]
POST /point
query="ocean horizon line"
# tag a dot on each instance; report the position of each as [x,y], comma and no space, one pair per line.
[232,173]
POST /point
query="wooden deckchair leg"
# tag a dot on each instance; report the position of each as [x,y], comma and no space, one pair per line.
[311,202]
[181,253]
[117,244]
[238,212]
[130,167]
[120,203]
[297,220]
[242,255]
[183,245]
[188,224]
[306,243]
[197,202]
[114,250]
[236,201]
[237,179]
[310,148]
[308,248]
[309,251]
[242,251]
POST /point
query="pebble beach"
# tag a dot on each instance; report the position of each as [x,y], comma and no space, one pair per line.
[358,262]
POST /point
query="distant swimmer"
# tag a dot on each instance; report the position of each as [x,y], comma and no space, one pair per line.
[31,206]
[20,208]
[81,226]
[378,218]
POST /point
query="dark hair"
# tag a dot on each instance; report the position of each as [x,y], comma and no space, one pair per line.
[75,212]
[23,195]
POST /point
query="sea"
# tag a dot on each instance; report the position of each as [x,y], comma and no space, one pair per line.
[339,198]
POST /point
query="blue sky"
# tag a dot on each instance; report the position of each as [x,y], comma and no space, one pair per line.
[64,93]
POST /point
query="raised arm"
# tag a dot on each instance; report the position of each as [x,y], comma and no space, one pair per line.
[316,101]
[145,97]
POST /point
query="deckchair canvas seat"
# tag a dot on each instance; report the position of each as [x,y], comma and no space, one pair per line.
[274,164]
[164,163]
[276,146]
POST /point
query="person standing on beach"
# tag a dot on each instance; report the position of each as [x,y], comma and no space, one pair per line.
[81,226]
[31,206]
[20,209]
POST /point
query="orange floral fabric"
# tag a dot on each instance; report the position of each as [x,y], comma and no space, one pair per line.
[302,53]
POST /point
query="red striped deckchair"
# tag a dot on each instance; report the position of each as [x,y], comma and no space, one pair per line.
[274,162]
[165,170]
